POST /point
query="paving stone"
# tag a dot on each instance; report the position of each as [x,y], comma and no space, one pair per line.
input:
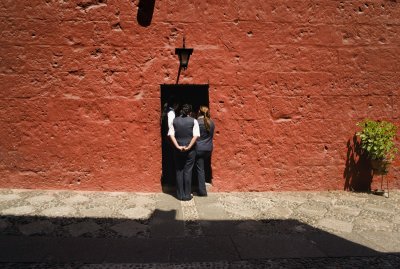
[119,194]
[212,212]
[96,212]
[336,246]
[76,199]
[3,224]
[219,228]
[59,211]
[167,202]
[278,246]
[294,198]
[370,224]
[191,223]
[352,211]
[42,199]
[278,212]
[383,261]
[9,197]
[242,213]
[300,228]
[312,211]
[189,210]
[79,250]
[38,227]
[380,208]
[142,200]
[137,213]
[166,223]
[203,249]
[233,200]
[250,226]
[264,203]
[22,249]
[80,228]
[352,198]
[337,225]
[107,200]
[324,199]
[20,210]
[396,219]
[356,237]
[390,241]
[137,250]
[129,228]
[167,219]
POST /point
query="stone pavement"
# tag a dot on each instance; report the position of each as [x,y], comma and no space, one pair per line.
[75,229]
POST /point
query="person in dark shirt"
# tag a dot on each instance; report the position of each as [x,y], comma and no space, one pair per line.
[204,146]
[170,109]
[184,132]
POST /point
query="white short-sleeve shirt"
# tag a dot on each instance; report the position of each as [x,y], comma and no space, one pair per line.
[171,117]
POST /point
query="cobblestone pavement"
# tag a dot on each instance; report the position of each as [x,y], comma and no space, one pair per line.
[389,261]
[224,230]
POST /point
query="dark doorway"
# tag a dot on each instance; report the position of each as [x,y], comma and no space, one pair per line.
[194,94]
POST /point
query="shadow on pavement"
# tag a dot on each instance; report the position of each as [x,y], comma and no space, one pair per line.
[164,239]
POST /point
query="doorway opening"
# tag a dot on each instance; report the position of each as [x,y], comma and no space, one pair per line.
[195,95]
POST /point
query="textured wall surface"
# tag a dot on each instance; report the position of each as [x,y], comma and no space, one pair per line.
[289,79]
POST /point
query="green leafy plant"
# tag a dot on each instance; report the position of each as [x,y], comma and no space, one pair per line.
[377,139]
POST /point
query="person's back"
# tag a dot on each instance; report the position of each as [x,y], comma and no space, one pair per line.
[184,133]
[204,147]
[183,126]
[205,141]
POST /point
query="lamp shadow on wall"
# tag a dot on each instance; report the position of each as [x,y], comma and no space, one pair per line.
[163,238]
[145,12]
[358,171]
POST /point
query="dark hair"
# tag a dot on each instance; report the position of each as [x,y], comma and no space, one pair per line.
[171,100]
[186,109]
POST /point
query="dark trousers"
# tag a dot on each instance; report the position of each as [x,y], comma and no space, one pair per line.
[201,158]
[184,162]
[168,163]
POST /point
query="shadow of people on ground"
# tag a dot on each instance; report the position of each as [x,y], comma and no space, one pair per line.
[163,238]
[358,172]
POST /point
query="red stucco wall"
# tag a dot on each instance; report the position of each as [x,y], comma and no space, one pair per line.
[289,79]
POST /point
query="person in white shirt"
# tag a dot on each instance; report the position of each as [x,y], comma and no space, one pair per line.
[184,132]
[168,165]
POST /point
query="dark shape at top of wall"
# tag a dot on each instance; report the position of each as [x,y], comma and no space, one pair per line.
[145,12]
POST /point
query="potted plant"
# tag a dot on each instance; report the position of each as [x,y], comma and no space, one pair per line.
[377,140]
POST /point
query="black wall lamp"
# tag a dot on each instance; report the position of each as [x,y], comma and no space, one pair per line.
[184,55]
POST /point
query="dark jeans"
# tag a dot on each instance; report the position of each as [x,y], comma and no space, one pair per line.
[201,158]
[184,162]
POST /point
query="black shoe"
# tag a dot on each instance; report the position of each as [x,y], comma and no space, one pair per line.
[202,194]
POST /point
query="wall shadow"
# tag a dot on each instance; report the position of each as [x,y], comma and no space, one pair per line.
[145,12]
[162,238]
[358,171]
